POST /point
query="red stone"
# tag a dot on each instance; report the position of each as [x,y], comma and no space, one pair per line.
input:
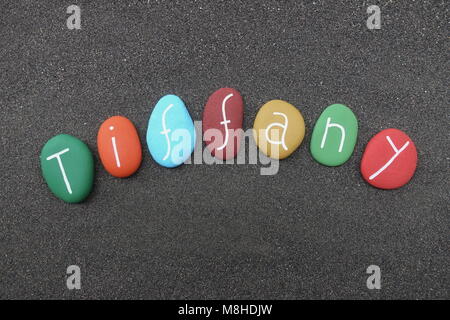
[222,123]
[119,147]
[390,159]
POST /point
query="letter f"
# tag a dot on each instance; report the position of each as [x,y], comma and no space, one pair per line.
[225,121]
[166,131]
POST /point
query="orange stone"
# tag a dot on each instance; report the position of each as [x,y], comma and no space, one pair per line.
[119,147]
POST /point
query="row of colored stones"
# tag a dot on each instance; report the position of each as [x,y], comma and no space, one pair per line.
[389,160]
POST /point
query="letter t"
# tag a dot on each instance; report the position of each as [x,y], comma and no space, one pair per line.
[61,167]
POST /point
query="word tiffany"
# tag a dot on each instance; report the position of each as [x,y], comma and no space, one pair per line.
[389,160]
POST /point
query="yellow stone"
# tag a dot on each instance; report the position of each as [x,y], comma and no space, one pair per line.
[279,129]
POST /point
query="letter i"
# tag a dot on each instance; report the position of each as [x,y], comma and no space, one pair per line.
[116,154]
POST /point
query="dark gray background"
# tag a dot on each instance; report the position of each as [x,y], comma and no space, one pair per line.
[224,231]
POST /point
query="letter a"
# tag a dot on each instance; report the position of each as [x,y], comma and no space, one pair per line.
[374,281]
[330,125]
[281,125]
[74,278]
[74,20]
[374,21]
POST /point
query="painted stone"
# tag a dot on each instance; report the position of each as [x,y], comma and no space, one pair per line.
[68,168]
[119,147]
[222,123]
[389,160]
[334,136]
[278,129]
[171,132]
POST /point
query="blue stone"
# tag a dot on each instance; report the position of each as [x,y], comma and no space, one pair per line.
[170,132]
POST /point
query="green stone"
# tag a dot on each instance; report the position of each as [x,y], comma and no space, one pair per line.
[68,168]
[334,135]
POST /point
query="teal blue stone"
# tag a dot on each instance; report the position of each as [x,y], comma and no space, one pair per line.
[171,132]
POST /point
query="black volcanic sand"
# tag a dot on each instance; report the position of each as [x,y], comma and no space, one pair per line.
[224,231]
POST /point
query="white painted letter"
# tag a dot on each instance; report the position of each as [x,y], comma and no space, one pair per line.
[397,153]
[166,131]
[225,121]
[330,125]
[281,125]
[116,153]
[61,167]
